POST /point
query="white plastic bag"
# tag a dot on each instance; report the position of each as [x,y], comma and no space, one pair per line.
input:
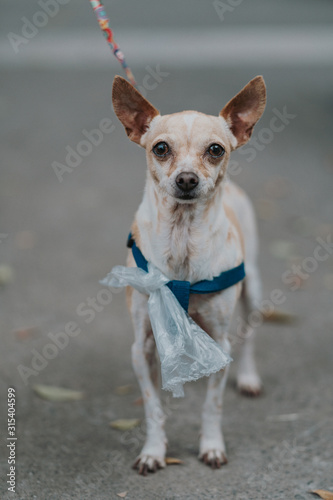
[186,352]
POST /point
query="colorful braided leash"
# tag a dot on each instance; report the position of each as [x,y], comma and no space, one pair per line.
[104,24]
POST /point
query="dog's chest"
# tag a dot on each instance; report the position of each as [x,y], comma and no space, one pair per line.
[187,242]
[192,252]
[180,247]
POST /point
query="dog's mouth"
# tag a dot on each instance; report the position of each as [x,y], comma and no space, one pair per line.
[186,196]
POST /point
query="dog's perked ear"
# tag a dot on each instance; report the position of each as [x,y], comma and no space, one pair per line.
[245,109]
[132,109]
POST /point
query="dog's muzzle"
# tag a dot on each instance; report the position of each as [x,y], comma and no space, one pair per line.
[186,183]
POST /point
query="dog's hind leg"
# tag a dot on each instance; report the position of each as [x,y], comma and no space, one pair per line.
[152,456]
[248,380]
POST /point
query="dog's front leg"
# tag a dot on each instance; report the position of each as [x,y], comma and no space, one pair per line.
[152,456]
[212,447]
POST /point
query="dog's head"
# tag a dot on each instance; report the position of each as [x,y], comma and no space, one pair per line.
[188,152]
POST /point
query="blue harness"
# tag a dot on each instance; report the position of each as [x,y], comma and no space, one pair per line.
[182,289]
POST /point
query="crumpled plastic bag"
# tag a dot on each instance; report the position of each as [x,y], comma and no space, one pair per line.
[186,352]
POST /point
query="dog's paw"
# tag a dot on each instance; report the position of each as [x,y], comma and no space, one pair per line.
[249,385]
[148,463]
[214,458]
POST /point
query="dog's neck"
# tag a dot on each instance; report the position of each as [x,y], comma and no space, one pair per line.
[186,241]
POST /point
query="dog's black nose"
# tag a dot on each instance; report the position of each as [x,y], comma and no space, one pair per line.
[187,181]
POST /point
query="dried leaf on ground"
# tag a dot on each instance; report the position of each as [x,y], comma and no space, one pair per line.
[138,402]
[173,461]
[53,393]
[25,333]
[122,494]
[282,249]
[326,495]
[266,209]
[296,282]
[122,390]
[125,424]
[279,317]
[278,187]
[6,274]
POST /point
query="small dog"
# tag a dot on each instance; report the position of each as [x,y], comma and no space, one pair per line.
[192,224]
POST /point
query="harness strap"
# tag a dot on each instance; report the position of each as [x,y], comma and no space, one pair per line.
[183,289]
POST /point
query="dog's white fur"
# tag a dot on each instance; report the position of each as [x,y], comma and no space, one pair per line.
[193,239]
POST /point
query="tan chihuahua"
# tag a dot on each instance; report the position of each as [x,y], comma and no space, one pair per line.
[192,224]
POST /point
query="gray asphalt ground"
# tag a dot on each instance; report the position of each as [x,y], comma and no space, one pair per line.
[60,238]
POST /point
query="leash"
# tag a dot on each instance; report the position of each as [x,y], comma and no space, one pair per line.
[104,24]
[183,289]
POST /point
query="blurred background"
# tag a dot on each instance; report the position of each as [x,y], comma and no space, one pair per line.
[68,196]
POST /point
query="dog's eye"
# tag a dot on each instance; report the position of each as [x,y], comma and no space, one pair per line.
[215,150]
[161,149]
